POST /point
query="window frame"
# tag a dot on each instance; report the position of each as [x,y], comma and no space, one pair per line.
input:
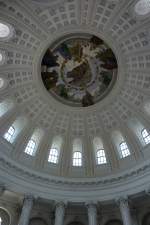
[53,157]
[125,152]
[101,159]
[30,149]
[146,137]
[9,134]
[77,161]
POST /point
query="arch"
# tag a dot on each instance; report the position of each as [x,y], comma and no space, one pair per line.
[114,222]
[34,142]
[55,150]
[18,126]
[77,152]
[98,144]
[99,151]
[120,144]
[146,219]
[136,126]
[77,145]
[37,221]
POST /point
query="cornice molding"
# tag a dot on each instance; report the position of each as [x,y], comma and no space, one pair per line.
[17,170]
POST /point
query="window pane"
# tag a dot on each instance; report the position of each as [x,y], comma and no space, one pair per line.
[30,149]
[124,150]
[9,134]
[77,159]
[146,136]
[53,156]
[101,157]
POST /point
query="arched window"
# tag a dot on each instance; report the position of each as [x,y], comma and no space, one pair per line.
[99,151]
[146,136]
[30,148]
[34,142]
[77,159]
[142,7]
[101,157]
[9,134]
[53,156]
[77,152]
[124,150]
[55,150]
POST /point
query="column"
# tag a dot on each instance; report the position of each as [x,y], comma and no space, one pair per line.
[26,210]
[125,211]
[59,213]
[92,213]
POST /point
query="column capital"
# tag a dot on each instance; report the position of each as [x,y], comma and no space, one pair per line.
[122,200]
[61,204]
[123,203]
[28,199]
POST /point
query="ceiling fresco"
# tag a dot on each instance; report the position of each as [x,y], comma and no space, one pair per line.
[79,71]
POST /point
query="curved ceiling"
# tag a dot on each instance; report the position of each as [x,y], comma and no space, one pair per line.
[120,117]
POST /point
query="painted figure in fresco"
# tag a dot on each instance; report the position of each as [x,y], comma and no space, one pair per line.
[96,41]
[62,91]
[77,51]
[79,70]
[108,59]
[49,59]
[106,77]
[64,51]
[87,100]
[79,74]
[50,79]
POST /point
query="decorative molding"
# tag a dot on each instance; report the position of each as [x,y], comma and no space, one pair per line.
[34,177]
